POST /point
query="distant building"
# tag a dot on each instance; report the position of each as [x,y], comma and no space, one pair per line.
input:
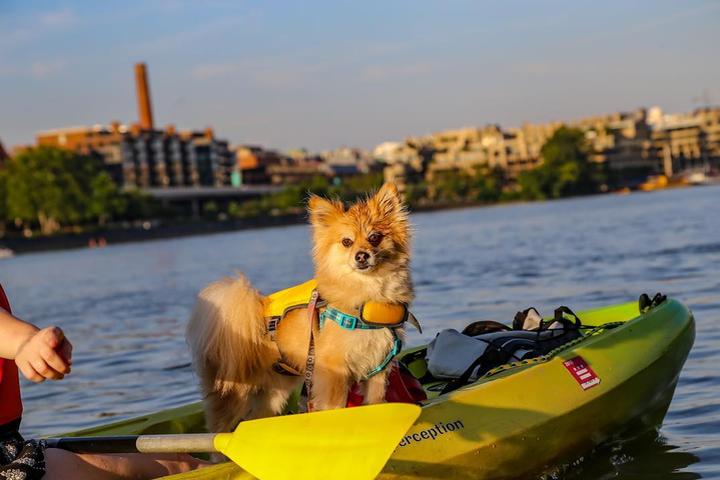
[298,166]
[253,161]
[142,156]
[261,166]
[631,142]
[686,142]
[348,161]
[405,162]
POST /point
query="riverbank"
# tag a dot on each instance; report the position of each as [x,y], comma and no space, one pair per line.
[155,230]
[162,229]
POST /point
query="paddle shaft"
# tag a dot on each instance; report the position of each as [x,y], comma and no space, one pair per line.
[186,443]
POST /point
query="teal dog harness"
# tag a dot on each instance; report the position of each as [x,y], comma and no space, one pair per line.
[350,322]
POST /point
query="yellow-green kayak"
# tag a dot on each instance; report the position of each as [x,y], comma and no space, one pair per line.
[524,417]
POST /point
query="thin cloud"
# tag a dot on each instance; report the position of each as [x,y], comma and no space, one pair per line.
[270,74]
[214,70]
[384,72]
[36,28]
[8,71]
[48,68]
[178,40]
[60,18]
[38,70]
[535,68]
[675,17]
[376,48]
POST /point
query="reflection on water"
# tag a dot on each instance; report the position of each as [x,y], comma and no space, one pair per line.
[648,456]
[125,306]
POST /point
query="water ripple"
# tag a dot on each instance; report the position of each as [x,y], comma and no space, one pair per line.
[125,306]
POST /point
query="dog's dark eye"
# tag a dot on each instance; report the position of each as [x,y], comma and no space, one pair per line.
[375,238]
[347,242]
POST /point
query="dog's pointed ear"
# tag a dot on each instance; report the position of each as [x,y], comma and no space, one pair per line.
[323,211]
[388,201]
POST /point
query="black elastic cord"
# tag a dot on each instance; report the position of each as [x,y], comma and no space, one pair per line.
[559,316]
[464,379]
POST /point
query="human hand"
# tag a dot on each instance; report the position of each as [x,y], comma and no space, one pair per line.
[45,354]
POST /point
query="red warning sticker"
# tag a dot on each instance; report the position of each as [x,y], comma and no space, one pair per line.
[581,372]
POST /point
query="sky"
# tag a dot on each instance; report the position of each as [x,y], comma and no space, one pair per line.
[327,74]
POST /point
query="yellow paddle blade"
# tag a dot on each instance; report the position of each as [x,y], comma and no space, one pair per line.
[349,443]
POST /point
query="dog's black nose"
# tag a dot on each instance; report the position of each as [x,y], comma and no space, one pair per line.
[362,257]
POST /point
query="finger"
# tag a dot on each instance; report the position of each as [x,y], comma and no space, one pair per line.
[45,370]
[54,360]
[66,350]
[53,336]
[29,372]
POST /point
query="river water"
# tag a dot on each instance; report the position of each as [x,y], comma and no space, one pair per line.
[124,307]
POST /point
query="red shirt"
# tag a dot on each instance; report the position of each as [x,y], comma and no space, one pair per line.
[10,403]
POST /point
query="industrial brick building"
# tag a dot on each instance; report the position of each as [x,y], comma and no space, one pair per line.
[142,156]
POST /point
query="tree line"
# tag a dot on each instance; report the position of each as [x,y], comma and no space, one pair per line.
[566,170]
[50,189]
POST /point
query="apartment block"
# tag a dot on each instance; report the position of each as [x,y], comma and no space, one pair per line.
[141,158]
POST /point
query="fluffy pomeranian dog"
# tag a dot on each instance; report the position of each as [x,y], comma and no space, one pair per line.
[360,254]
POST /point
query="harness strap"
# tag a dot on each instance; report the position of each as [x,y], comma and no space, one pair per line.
[283,368]
[310,363]
[396,347]
[344,320]
[350,322]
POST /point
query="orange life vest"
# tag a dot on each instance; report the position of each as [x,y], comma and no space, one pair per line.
[10,402]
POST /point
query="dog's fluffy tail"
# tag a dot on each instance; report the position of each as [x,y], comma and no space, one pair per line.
[227,335]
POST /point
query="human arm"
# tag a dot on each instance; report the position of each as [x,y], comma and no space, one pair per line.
[40,354]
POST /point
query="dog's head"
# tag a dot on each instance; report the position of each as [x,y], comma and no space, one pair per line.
[367,241]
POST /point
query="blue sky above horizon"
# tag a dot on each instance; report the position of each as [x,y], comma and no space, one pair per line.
[327,74]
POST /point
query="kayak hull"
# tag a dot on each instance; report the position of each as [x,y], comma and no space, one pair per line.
[524,421]
[526,417]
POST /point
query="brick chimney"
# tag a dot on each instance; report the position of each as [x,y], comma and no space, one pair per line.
[143,97]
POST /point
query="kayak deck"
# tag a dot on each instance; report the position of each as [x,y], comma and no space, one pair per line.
[524,416]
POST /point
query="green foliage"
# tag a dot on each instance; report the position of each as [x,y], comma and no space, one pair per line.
[105,199]
[351,188]
[415,193]
[565,170]
[210,210]
[52,187]
[140,206]
[292,198]
[234,209]
[3,194]
[481,185]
